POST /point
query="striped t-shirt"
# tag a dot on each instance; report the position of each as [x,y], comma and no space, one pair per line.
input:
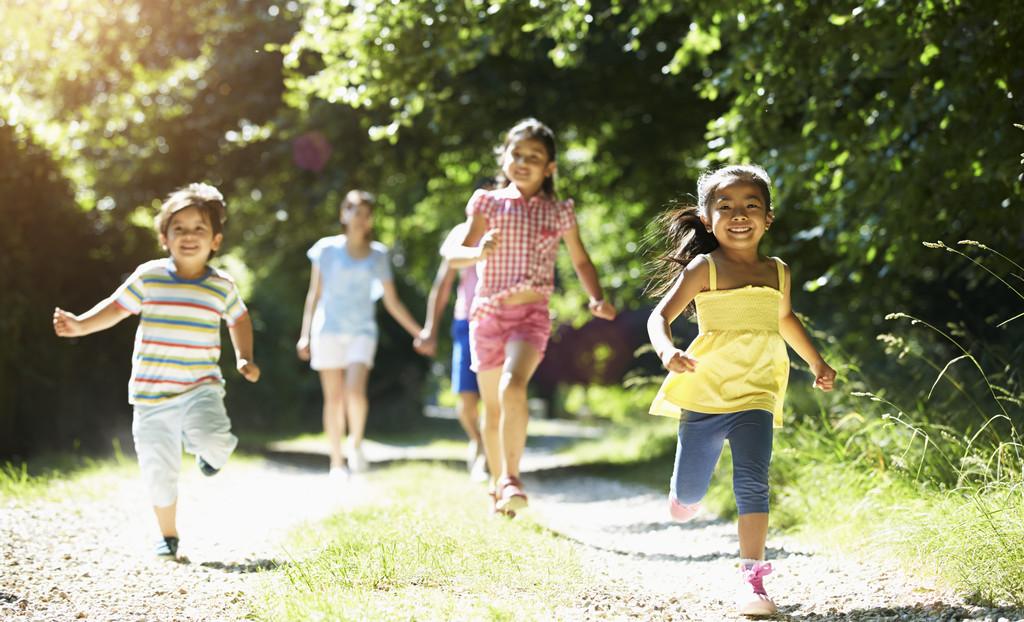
[177,346]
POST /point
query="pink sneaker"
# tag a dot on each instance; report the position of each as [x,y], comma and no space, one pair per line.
[680,511]
[752,599]
[511,497]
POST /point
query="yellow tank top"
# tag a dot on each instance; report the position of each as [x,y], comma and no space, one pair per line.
[742,363]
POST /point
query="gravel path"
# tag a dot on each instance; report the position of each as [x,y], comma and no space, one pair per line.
[87,557]
[650,568]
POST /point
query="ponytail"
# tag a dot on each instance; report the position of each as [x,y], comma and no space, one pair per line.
[686,237]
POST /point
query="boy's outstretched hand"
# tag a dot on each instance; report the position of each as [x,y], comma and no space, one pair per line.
[602,309]
[66,324]
[824,376]
[249,370]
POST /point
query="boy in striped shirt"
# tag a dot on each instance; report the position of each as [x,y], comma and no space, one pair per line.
[176,384]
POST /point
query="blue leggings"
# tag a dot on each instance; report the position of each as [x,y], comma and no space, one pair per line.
[701,437]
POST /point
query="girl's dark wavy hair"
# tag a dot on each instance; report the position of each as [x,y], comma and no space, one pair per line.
[681,233]
[528,128]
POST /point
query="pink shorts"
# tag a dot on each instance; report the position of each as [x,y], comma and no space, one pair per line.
[488,335]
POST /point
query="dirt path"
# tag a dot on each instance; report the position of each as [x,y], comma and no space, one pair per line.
[647,567]
[87,556]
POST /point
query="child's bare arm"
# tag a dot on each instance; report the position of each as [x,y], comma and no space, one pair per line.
[241,338]
[101,317]
[437,301]
[312,297]
[477,243]
[395,308]
[587,274]
[691,281]
[796,336]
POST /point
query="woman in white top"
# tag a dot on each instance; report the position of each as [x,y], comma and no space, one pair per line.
[339,332]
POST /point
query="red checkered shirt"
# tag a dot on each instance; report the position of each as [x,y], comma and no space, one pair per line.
[525,257]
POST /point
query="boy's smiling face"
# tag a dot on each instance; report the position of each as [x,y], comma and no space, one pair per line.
[190,238]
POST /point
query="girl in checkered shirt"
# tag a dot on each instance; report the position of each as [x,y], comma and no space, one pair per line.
[513,238]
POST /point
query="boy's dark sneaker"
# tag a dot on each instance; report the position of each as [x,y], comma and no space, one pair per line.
[167,547]
[205,467]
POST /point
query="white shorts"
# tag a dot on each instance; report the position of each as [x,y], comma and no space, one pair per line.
[341,351]
[196,418]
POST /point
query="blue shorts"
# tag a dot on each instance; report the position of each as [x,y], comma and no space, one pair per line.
[463,378]
[701,437]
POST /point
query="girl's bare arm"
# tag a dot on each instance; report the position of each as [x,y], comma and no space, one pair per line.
[312,298]
[691,281]
[796,336]
[397,310]
[477,243]
[587,274]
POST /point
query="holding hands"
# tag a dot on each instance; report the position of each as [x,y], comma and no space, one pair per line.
[426,343]
[677,361]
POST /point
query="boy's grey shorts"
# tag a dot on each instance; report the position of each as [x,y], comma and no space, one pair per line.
[196,419]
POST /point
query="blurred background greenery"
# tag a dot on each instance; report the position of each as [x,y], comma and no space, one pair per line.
[883,124]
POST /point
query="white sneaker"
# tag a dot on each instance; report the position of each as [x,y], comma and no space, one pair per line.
[479,471]
[357,462]
[339,474]
[752,599]
[472,452]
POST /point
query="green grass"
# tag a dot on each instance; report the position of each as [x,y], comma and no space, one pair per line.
[53,476]
[853,501]
[970,539]
[426,549]
[58,476]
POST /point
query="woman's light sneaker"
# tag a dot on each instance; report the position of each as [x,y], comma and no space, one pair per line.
[339,474]
[752,599]
[357,462]
[479,472]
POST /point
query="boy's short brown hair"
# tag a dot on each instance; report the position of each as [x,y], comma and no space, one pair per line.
[204,197]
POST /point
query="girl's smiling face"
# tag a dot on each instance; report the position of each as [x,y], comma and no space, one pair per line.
[737,214]
[526,163]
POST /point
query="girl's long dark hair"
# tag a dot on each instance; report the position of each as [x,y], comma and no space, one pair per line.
[685,237]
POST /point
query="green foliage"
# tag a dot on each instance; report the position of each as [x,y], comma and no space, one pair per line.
[883,125]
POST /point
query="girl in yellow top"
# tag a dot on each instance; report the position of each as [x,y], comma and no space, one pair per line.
[730,382]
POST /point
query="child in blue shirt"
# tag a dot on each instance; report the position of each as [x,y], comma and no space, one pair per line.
[339,332]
